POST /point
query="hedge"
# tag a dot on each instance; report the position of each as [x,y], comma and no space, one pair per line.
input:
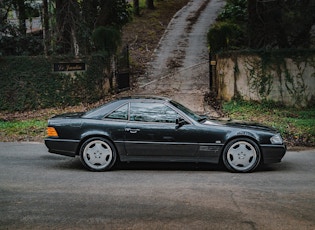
[28,83]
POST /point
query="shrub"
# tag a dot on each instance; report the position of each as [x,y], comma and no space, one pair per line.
[224,36]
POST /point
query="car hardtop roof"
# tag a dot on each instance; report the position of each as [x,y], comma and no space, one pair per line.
[99,111]
[146,97]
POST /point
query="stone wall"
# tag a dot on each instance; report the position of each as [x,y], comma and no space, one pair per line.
[285,77]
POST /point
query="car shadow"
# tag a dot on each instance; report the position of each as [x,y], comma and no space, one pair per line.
[66,163]
[62,162]
[279,167]
[168,166]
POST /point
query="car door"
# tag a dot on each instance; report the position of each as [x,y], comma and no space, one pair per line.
[152,131]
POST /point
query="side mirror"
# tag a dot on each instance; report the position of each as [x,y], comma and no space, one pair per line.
[180,122]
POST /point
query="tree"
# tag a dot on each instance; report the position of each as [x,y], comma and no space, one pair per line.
[106,39]
[5,7]
[136,8]
[67,14]
[265,24]
[76,21]
[68,25]
[22,16]
[269,24]
[113,12]
[150,4]
[13,37]
[280,23]
[46,34]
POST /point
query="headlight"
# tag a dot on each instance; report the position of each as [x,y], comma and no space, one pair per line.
[276,139]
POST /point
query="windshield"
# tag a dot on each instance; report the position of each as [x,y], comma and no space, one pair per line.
[188,112]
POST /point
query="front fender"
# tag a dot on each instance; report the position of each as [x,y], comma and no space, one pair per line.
[242,133]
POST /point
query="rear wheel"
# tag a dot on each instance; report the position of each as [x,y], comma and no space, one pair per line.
[98,154]
[241,155]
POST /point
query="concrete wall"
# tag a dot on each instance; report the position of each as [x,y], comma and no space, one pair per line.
[285,78]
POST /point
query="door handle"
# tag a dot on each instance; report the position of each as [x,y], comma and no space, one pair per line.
[132,130]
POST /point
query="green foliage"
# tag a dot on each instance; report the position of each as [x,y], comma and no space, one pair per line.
[271,24]
[28,83]
[224,36]
[14,43]
[296,125]
[142,4]
[106,39]
[32,9]
[99,27]
[281,24]
[119,12]
[234,10]
[229,32]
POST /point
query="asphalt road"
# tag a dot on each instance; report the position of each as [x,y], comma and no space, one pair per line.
[39,190]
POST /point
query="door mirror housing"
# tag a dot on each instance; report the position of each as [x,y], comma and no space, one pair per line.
[180,122]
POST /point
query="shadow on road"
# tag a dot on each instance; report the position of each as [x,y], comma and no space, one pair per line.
[66,163]
[169,166]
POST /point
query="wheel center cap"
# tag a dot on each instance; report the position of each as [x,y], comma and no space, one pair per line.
[241,155]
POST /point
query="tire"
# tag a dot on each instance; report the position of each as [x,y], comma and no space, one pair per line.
[98,154]
[241,155]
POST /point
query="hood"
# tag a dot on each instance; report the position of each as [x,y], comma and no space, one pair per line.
[240,124]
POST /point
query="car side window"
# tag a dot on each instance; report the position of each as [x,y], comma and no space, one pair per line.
[119,114]
[152,112]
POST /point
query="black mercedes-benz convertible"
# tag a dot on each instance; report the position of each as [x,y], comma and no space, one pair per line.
[161,130]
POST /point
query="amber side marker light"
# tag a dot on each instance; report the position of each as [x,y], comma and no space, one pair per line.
[51,132]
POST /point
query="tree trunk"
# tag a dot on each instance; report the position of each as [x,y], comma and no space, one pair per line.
[61,33]
[136,9]
[65,17]
[75,43]
[89,15]
[104,15]
[254,25]
[150,4]
[46,34]
[4,13]
[22,16]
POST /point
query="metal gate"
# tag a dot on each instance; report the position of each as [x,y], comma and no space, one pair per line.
[122,70]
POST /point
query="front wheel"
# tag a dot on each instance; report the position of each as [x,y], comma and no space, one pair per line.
[241,155]
[98,154]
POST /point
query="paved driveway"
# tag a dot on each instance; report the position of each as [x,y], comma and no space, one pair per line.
[180,67]
[39,190]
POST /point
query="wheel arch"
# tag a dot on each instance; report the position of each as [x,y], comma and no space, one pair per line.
[96,135]
[250,137]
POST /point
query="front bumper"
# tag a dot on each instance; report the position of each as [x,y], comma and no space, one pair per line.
[273,153]
[62,146]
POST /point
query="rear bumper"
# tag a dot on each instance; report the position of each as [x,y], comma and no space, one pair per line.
[62,147]
[273,153]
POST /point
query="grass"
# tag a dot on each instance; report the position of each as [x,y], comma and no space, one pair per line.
[26,130]
[297,126]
